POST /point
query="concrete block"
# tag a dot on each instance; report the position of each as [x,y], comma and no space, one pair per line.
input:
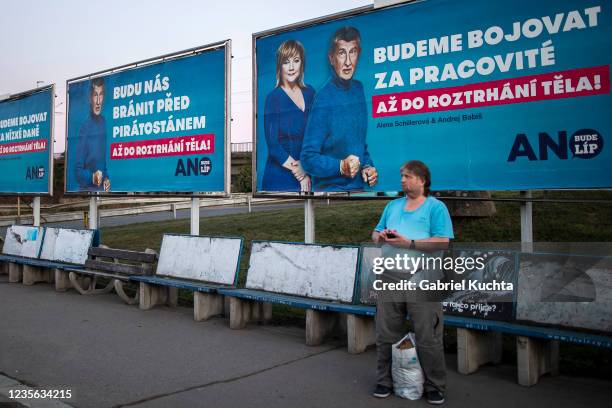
[207,305]
[172,296]
[226,306]
[477,347]
[319,325]
[536,357]
[240,313]
[361,333]
[153,295]
[34,274]
[62,280]
[15,272]
[261,312]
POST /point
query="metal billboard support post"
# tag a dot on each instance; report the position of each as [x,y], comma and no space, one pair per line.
[18,211]
[195,216]
[93,213]
[526,223]
[36,211]
[309,221]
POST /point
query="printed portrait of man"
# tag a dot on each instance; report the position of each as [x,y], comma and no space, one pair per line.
[334,151]
[90,169]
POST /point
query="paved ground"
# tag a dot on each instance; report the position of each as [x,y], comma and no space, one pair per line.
[113,355]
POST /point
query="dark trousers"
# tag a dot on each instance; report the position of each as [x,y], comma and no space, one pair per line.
[428,323]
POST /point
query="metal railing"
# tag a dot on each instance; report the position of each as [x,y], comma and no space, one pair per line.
[245,147]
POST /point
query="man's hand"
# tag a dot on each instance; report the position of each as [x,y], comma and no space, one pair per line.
[96,178]
[106,184]
[370,175]
[349,167]
[298,171]
[392,237]
[305,184]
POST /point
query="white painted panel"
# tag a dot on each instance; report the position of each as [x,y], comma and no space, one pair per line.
[208,259]
[569,291]
[22,241]
[315,271]
[66,245]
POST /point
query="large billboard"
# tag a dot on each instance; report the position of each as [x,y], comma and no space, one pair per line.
[490,96]
[161,125]
[26,142]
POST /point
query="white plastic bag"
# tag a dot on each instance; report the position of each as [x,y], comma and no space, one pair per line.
[406,370]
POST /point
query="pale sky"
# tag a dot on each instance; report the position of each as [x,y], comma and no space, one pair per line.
[52,41]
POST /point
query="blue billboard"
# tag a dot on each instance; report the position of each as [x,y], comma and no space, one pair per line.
[154,127]
[26,142]
[489,96]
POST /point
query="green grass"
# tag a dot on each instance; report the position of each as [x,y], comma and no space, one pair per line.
[352,223]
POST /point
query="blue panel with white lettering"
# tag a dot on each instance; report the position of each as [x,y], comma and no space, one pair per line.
[155,128]
[26,142]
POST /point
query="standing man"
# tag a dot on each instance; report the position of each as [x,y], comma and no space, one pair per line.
[90,169]
[334,151]
[414,222]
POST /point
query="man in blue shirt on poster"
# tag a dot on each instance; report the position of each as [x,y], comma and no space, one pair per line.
[414,224]
[334,151]
[90,168]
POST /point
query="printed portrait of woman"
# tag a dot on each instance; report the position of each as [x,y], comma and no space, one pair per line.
[285,116]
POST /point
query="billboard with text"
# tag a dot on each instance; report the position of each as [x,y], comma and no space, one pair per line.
[490,97]
[26,142]
[157,126]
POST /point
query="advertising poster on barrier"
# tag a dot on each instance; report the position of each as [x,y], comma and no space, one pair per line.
[490,97]
[156,126]
[568,290]
[26,142]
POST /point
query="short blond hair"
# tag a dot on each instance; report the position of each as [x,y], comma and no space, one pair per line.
[289,49]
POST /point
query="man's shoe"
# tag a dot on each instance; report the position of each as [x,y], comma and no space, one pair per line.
[381,391]
[434,397]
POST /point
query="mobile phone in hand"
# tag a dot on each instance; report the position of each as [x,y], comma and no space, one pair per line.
[391,235]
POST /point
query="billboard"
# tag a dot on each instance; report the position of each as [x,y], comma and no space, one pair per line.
[490,97]
[26,142]
[160,125]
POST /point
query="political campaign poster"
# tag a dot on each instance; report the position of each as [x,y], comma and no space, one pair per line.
[158,126]
[489,96]
[26,142]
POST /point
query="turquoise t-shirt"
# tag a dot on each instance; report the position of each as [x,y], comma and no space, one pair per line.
[431,219]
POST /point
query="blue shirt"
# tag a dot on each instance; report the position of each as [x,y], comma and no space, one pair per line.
[91,152]
[430,220]
[336,128]
[284,125]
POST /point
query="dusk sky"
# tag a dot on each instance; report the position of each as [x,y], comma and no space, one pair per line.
[52,41]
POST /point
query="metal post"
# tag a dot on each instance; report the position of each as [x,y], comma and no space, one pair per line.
[195,216]
[36,211]
[18,211]
[526,222]
[93,213]
[249,202]
[309,222]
